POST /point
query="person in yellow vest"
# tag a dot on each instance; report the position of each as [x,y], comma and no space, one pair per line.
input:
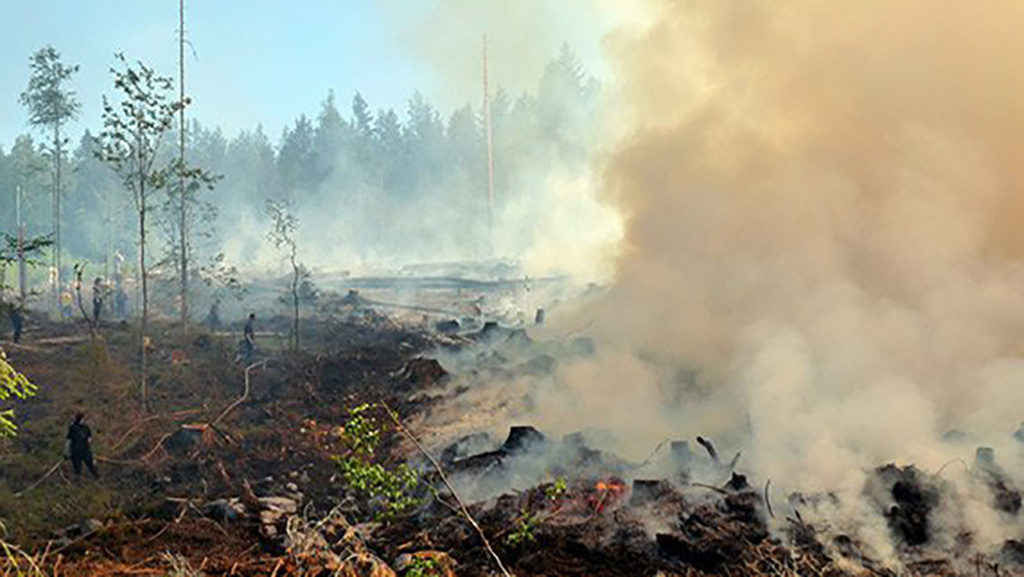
[66,310]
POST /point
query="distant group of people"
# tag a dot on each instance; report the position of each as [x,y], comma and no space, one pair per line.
[79,435]
[101,293]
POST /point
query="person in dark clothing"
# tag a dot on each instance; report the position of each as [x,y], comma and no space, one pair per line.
[249,338]
[17,321]
[78,447]
[213,317]
[97,299]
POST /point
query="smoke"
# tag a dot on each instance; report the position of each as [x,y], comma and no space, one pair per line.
[522,35]
[545,216]
[821,257]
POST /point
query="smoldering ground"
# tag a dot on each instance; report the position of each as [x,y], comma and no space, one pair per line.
[821,260]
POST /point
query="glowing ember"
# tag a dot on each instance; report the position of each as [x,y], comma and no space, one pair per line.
[606,492]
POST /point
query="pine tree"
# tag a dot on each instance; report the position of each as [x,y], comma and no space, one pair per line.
[51,106]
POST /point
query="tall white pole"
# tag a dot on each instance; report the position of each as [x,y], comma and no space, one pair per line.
[490,155]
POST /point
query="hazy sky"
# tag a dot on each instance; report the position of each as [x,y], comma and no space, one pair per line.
[267,61]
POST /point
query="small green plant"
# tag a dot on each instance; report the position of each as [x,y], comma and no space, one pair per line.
[556,490]
[391,489]
[423,567]
[13,385]
[524,531]
[361,431]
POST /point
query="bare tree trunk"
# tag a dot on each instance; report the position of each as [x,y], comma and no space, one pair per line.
[56,218]
[183,225]
[22,275]
[145,293]
[295,299]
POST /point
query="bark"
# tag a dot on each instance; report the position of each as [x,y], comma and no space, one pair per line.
[295,297]
[183,224]
[56,217]
[142,275]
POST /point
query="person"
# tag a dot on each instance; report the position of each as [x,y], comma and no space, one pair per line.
[79,450]
[249,338]
[66,310]
[121,303]
[97,299]
[17,321]
[213,317]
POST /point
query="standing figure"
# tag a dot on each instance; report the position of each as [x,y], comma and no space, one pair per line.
[78,447]
[249,338]
[17,321]
[121,303]
[97,299]
[213,317]
[66,310]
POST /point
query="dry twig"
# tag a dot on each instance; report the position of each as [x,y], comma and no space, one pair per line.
[245,394]
[41,479]
[444,479]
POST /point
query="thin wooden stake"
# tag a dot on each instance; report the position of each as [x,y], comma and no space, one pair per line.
[447,483]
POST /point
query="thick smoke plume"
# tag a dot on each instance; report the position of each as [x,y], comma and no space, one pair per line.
[823,206]
[822,246]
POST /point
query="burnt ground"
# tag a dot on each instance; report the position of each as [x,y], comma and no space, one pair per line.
[201,484]
[159,464]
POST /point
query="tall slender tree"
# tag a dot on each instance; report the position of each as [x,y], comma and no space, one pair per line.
[51,105]
[284,226]
[133,129]
[183,205]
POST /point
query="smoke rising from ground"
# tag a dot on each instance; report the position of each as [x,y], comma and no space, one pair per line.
[821,260]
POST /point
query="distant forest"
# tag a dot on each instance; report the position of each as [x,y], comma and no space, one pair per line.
[368,185]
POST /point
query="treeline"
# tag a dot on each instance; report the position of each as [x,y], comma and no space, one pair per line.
[367,184]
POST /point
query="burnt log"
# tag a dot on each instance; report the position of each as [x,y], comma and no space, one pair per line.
[1005,497]
[448,327]
[522,438]
[647,491]
[708,447]
[465,446]
[912,499]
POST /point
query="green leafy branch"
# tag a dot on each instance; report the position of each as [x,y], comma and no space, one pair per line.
[392,489]
[13,385]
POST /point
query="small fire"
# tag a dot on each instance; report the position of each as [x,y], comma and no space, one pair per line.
[613,485]
[606,492]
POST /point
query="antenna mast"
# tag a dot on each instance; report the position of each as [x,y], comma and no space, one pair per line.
[490,156]
[183,215]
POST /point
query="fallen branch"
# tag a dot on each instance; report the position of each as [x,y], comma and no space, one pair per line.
[650,457]
[447,483]
[718,490]
[708,447]
[159,444]
[245,394]
[41,479]
[139,423]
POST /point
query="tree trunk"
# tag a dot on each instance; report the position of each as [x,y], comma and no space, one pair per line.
[295,299]
[145,293]
[22,276]
[184,257]
[183,225]
[56,218]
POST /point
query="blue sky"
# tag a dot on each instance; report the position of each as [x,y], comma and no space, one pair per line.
[267,61]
